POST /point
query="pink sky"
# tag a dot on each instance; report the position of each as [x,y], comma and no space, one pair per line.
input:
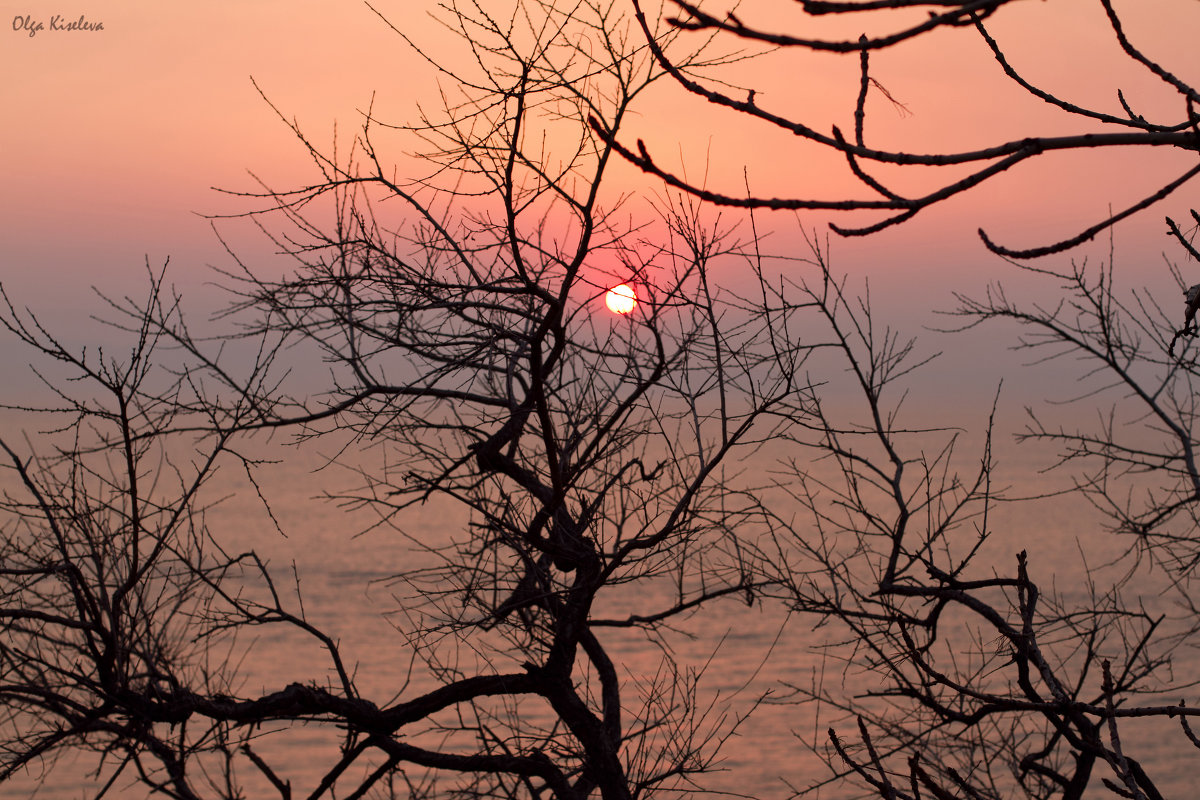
[113,139]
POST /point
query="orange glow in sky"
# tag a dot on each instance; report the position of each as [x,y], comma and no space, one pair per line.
[115,138]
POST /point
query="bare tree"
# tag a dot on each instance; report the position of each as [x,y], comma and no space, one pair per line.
[1032,686]
[112,587]
[591,454]
[1122,126]
[606,468]
[973,679]
[1146,443]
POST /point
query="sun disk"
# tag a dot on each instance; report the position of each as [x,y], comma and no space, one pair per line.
[621,299]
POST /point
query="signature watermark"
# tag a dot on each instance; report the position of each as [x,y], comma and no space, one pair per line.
[58,22]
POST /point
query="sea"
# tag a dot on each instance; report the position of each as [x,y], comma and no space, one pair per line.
[742,668]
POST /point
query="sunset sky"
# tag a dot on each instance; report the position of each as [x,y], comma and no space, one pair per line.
[135,140]
[113,139]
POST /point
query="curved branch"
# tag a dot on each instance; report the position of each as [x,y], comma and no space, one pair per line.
[1067,244]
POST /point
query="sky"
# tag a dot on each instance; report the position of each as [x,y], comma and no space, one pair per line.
[114,139]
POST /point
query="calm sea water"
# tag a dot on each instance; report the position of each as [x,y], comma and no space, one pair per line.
[741,653]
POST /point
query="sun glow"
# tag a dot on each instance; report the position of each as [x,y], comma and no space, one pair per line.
[621,299]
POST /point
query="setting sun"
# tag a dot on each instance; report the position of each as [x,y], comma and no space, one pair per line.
[621,299]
